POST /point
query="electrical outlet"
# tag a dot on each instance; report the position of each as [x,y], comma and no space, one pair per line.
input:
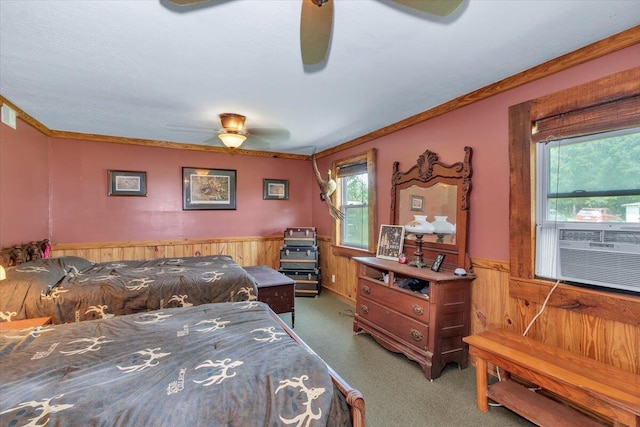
[333,278]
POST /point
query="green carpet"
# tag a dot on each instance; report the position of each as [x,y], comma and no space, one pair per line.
[395,391]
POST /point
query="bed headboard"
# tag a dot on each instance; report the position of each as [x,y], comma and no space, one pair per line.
[26,252]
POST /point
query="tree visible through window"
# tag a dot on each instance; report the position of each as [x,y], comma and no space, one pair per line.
[355,197]
[355,205]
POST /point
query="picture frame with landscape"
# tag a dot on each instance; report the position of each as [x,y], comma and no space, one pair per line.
[210,189]
[127,183]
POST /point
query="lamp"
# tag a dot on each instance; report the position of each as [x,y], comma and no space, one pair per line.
[419,227]
[442,227]
[232,139]
[3,275]
[232,134]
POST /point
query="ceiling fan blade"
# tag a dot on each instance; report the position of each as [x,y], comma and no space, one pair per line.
[270,133]
[187,2]
[316,23]
[435,7]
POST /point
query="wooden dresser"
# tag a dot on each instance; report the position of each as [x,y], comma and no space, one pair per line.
[427,328]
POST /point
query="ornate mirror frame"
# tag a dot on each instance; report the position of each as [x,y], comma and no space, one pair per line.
[426,173]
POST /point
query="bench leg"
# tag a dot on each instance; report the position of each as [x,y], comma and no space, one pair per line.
[481,385]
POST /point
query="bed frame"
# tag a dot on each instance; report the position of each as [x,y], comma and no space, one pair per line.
[354,398]
[22,253]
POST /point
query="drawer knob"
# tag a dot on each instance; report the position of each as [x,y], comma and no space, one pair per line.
[417,309]
[366,290]
[364,309]
[416,335]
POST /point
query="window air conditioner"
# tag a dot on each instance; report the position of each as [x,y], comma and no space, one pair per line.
[605,255]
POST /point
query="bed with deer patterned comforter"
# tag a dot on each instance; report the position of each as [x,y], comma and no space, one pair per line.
[224,364]
[72,289]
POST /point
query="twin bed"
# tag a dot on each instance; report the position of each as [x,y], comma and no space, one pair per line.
[73,289]
[158,342]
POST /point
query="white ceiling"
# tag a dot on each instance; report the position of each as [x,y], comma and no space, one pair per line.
[148,69]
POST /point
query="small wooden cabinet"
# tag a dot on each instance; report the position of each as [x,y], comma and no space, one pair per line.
[275,289]
[427,326]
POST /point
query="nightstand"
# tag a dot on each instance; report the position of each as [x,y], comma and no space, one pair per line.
[25,323]
[275,289]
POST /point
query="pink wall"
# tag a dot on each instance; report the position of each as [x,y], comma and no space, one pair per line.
[73,175]
[24,185]
[484,126]
[81,211]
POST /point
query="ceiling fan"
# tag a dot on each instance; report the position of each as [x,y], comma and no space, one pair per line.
[316,22]
[234,133]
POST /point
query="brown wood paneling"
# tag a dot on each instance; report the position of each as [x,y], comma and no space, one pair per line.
[492,305]
[245,251]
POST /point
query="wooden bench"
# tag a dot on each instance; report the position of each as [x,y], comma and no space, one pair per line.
[600,388]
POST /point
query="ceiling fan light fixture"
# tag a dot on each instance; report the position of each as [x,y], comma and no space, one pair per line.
[232,139]
[232,122]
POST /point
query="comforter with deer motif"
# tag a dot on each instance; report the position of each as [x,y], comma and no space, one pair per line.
[226,364]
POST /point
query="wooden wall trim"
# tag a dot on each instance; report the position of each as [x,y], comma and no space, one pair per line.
[173,145]
[139,243]
[490,264]
[607,305]
[588,53]
[26,117]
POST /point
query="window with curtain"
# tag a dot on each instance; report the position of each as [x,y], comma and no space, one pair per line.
[355,197]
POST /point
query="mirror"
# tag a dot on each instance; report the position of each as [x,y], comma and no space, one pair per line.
[437,201]
[441,193]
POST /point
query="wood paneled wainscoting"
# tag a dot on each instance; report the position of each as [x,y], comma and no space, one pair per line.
[600,325]
[244,250]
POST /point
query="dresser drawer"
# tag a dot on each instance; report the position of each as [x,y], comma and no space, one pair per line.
[406,329]
[410,305]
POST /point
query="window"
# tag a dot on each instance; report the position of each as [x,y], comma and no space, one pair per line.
[355,197]
[585,115]
[586,185]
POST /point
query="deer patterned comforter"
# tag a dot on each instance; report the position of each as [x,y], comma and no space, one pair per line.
[227,364]
[72,289]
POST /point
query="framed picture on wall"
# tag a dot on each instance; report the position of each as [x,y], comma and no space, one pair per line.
[390,242]
[127,183]
[276,189]
[417,203]
[208,188]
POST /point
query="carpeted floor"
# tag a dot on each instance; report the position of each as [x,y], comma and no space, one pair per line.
[395,391]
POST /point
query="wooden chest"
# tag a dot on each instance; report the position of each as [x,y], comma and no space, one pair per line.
[300,236]
[274,289]
[299,258]
[307,282]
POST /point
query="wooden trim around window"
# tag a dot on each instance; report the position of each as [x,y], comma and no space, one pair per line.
[620,87]
[370,157]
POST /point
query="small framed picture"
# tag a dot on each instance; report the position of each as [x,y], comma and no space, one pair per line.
[390,242]
[417,203]
[127,183]
[276,189]
[437,263]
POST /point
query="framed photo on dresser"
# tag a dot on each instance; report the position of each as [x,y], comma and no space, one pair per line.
[390,242]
